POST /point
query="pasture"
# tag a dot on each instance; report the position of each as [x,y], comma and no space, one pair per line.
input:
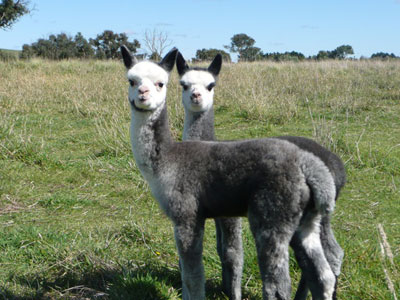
[78,221]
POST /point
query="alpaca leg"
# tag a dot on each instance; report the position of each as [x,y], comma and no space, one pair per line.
[230,251]
[302,289]
[272,238]
[333,252]
[316,270]
[189,241]
[273,260]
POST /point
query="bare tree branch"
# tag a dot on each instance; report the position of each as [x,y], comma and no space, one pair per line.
[155,42]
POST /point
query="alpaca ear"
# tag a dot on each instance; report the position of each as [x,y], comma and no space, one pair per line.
[181,64]
[129,60]
[215,65]
[168,62]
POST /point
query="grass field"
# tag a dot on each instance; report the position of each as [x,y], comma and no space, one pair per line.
[77,220]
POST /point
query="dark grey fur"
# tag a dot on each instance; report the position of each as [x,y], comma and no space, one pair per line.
[200,126]
[229,230]
[271,181]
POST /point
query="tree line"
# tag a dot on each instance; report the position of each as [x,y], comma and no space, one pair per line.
[244,46]
[106,45]
[61,46]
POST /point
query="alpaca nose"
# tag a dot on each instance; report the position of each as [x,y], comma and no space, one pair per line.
[196,96]
[143,89]
[144,92]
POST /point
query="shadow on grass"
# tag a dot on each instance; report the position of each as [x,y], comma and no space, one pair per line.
[152,282]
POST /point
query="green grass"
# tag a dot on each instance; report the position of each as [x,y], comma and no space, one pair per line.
[77,219]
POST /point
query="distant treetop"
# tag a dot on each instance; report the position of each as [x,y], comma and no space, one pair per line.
[209,54]
[11,11]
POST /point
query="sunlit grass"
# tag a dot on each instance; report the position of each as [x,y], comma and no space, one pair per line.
[77,219]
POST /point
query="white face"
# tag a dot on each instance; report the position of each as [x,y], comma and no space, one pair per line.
[198,90]
[148,85]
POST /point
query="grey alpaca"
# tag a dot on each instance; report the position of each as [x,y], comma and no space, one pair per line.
[271,181]
[197,99]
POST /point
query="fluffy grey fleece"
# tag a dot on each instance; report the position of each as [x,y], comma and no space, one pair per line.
[200,126]
[271,181]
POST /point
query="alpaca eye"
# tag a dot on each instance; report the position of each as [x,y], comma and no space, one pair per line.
[184,86]
[131,82]
[211,86]
[160,84]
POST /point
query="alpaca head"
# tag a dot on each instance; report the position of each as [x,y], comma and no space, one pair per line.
[148,80]
[198,84]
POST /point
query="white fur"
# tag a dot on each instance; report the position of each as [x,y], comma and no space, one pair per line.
[147,74]
[197,82]
[310,233]
[142,137]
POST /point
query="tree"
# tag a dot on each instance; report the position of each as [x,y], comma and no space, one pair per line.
[11,11]
[60,46]
[156,42]
[286,56]
[27,52]
[64,46]
[108,43]
[45,49]
[383,56]
[240,43]
[342,52]
[209,54]
[250,54]
[83,48]
[323,55]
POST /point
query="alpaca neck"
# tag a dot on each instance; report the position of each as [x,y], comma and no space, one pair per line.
[199,125]
[150,139]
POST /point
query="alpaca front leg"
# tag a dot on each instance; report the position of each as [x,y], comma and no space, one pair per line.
[230,251]
[189,241]
[273,258]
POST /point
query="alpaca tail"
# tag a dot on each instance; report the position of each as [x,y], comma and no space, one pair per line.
[321,182]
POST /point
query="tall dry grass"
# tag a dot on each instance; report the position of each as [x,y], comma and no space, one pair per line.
[265,91]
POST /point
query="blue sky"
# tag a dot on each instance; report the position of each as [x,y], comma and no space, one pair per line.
[277,26]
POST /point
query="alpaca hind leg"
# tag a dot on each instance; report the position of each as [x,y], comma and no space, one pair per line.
[189,241]
[333,252]
[230,251]
[316,270]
